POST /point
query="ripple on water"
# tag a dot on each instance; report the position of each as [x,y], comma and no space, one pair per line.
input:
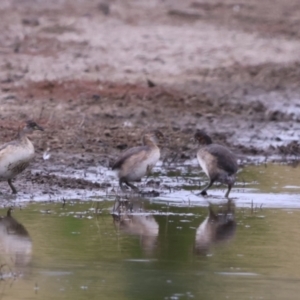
[237,273]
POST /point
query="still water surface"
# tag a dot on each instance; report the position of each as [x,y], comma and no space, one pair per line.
[166,248]
[74,253]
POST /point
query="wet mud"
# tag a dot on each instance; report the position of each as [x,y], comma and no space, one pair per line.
[97,75]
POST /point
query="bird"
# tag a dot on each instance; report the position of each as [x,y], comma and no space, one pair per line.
[16,155]
[135,163]
[217,162]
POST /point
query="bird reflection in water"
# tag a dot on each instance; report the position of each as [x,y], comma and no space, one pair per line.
[218,227]
[133,220]
[15,245]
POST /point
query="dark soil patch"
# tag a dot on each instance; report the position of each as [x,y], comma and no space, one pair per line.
[89,121]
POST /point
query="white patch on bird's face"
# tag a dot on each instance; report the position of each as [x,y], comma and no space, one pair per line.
[203,164]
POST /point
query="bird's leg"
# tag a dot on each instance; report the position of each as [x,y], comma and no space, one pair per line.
[148,171]
[123,188]
[228,191]
[116,205]
[203,192]
[132,186]
[14,191]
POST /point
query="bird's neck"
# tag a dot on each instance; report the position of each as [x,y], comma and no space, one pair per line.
[207,140]
[22,137]
[149,142]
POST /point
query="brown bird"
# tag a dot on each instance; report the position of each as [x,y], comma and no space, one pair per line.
[135,163]
[217,161]
[16,155]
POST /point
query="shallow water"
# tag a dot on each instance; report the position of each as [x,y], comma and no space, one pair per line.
[267,185]
[264,185]
[165,247]
[158,251]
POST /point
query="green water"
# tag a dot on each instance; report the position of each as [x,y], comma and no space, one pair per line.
[77,254]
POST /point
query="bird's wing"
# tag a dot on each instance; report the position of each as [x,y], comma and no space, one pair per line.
[226,160]
[139,152]
[7,147]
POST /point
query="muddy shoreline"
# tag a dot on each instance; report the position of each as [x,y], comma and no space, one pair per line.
[97,75]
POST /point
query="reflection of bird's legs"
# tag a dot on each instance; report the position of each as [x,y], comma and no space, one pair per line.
[203,192]
[228,191]
[14,191]
[117,205]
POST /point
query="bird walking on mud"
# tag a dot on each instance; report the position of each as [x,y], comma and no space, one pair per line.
[16,155]
[217,161]
[135,163]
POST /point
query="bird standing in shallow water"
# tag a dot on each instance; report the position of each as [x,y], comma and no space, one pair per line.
[135,163]
[217,161]
[16,155]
